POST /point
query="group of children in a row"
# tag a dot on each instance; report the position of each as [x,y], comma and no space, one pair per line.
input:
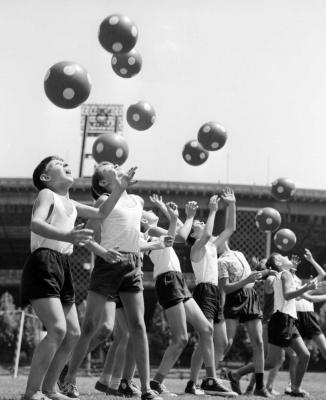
[115,299]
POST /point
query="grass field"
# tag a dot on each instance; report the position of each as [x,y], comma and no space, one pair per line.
[315,383]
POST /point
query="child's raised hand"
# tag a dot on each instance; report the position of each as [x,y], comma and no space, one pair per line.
[254,276]
[112,255]
[307,255]
[295,260]
[313,284]
[157,200]
[213,203]
[172,209]
[228,195]
[191,209]
[127,179]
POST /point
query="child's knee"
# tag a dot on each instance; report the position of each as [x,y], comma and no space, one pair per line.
[89,327]
[58,333]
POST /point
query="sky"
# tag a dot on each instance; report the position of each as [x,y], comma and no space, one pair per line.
[258,67]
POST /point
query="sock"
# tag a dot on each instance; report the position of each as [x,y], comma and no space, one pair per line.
[114,383]
[158,378]
[259,376]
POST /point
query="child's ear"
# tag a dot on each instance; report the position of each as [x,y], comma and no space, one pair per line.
[45,178]
[103,182]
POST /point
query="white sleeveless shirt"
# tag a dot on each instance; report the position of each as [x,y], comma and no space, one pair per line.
[302,305]
[280,304]
[62,217]
[206,270]
[164,260]
[122,226]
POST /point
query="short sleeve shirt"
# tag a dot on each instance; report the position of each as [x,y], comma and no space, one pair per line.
[233,265]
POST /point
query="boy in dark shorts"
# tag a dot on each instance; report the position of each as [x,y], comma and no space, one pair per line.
[112,279]
[46,279]
[203,256]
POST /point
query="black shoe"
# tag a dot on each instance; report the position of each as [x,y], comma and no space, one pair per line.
[191,388]
[212,386]
[160,388]
[128,390]
[235,383]
[62,377]
[263,392]
[202,385]
[301,393]
[101,387]
[150,395]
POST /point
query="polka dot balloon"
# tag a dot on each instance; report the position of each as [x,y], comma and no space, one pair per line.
[111,147]
[268,219]
[285,239]
[118,33]
[128,64]
[67,84]
[212,136]
[194,154]
[283,189]
[141,116]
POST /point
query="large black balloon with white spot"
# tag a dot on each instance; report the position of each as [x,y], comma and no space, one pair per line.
[111,147]
[268,219]
[283,189]
[128,64]
[67,84]
[141,115]
[118,33]
[285,239]
[194,154]
[212,136]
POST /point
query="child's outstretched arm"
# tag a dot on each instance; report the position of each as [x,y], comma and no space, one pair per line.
[158,201]
[40,226]
[229,198]
[320,271]
[184,230]
[120,185]
[289,293]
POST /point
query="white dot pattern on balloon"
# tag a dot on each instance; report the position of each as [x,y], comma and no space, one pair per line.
[134,31]
[269,221]
[68,93]
[131,60]
[202,156]
[153,119]
[215,145]
[206,128]
[136,117]
[280,189]
[117,46]
[69,70]
[114,20]
[119,152]
[193,144]
[48,73]
[260,212]
[114,60]
[292,192]
[123,71]
[285,241]
[147,107]
[188,157]
[257,224]
[99,147]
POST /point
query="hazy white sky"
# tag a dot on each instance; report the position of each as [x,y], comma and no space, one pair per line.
[256,66]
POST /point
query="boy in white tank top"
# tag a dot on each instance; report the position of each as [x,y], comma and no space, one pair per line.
[203,256]
[46,279]
[115,275]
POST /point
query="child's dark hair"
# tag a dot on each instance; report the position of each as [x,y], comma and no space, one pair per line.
[40,169]
[96,189]
[271,262]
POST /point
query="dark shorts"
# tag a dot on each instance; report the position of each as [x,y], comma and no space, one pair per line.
[171,289]
[208,297]
[110,279]
[282,329]
[243,304]
[308,324]
[47,273]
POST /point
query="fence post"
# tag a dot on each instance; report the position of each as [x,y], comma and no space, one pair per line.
[19,343]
